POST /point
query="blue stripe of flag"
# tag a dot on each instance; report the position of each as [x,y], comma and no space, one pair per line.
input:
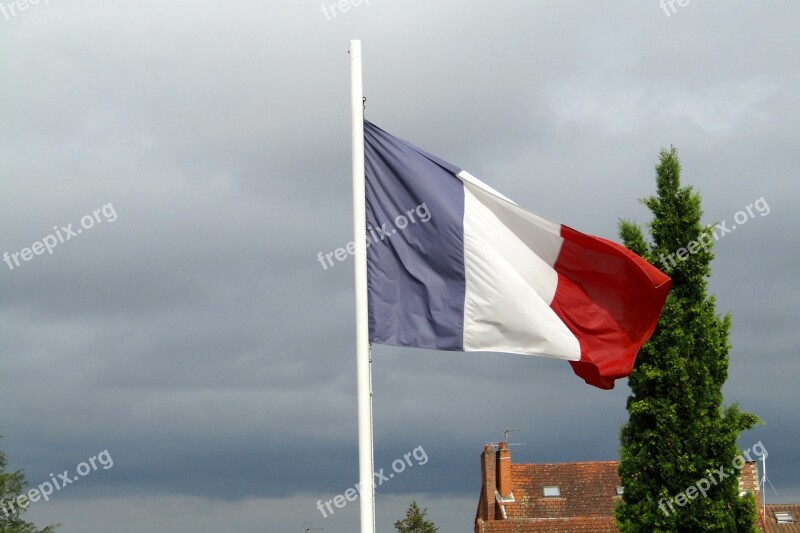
[416,279]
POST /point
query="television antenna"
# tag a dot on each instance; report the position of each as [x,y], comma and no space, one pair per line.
[507,431]
[505,438]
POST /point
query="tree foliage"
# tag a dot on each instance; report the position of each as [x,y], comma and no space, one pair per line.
[415,521]
[678,429]
[12,486]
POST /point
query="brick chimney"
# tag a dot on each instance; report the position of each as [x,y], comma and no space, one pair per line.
[488,473]
[504,470]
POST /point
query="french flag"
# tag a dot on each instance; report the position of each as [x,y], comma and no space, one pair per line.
[453,264]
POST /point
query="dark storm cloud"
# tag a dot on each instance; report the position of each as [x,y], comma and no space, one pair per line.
[198,339]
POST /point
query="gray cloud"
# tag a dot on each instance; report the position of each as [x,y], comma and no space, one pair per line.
[197,338]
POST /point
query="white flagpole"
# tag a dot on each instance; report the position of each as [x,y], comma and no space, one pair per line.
[365,461]
[764,487]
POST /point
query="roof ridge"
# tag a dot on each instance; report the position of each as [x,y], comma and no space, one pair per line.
[615,461]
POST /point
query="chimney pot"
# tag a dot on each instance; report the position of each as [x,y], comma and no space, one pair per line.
[504,470]
[488,475]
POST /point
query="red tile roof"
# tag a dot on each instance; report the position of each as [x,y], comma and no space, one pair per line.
[772,525]
[587,490]
[587,500]
[566,525]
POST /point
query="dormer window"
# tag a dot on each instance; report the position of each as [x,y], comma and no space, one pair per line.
[551,492]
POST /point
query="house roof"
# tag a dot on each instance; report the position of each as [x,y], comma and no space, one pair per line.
[584,502]
[588,494]
[587,490]
[771,524]
[596,524]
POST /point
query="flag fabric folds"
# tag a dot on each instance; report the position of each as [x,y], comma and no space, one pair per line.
[454,265]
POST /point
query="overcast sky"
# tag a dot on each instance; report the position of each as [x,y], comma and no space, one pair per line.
[189,329]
